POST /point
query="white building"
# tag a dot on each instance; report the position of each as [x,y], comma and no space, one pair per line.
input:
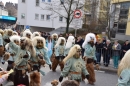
[37,15]
[3,11]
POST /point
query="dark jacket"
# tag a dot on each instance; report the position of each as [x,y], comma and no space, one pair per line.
[116,52]
[108,51]
[99,47]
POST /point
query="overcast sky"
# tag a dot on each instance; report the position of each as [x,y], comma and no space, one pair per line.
[14,1]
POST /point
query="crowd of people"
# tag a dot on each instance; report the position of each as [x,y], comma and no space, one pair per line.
[28,52]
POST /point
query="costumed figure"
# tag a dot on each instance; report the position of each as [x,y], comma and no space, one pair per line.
[23,54]
[89,55]
[70,43]
[1,43]
[54,83]
[15,39]
[59,54]
[27,33]
[35,34]
[74,65]
[7,34]
[41,54]
[124,70]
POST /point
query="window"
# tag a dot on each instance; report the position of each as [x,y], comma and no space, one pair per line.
[22,16]
[61,19]
[42,17]
[23,1]
[36,16]
[62,1]
[49,0]
[37,2]
[48,17]
[43,0]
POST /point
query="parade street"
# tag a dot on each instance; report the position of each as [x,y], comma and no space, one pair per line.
[103,78]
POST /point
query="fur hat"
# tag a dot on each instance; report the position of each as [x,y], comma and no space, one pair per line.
[54,82]
[35,79]
[15,37]
[54,35]
[59,41]
[70,41]
[70,83]
[15,33]
[2,32]
[27,31]
[34,40]
[7,30]
[72,52]
[35,34]
[88,38]
[125,62]
[29,46]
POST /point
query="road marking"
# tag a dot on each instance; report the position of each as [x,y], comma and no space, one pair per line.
[99,71]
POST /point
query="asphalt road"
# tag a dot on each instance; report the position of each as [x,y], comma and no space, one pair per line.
[103,78]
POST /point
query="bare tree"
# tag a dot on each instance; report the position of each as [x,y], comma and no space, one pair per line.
[65,8]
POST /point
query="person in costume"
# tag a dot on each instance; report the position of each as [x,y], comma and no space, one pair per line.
[23,54]
[54,39]
[35,34]
[41,53]
[7,34]
[74,65]
[15,39]
[15,33]
[1,43]
[124,70]
[27,33]
[70,43]
[89,55]
[59,53]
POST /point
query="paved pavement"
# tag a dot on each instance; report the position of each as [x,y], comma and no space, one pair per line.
[103,78]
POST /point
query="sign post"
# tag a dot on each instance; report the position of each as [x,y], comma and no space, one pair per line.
[77,20]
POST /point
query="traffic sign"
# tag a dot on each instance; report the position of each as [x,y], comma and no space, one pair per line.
[77,14]
[78,23]
[27,26]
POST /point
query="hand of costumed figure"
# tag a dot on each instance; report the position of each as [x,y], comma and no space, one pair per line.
[61,78]
[87,76]
[7,40]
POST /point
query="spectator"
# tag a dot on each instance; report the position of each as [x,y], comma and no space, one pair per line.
[98,50]
[3,76]
[67,35]
[80,41]
[116,53]
[125,47]
[107,55]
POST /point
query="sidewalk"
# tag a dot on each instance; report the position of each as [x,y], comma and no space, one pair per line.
[110,68]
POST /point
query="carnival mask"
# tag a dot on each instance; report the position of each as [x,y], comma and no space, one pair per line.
[22,44]
[10,33]
[62,42]
[16,42]
[28,35]
[39,44]
[55,37]
[78,53]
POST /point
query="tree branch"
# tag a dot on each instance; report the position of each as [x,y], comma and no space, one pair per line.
[64,7]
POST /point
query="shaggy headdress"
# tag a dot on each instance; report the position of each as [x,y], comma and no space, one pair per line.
[35,34]
[27,31]
[34,40]
[15,33]
[15,37]
[59,41]
[35,79]
[70,83]
[7,30]
[72,52]
[54,35]
[2,32]
[70,42]
[54,83]
[29,46]
[125,63]
[88,38]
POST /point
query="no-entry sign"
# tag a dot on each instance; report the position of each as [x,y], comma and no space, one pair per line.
[77,13]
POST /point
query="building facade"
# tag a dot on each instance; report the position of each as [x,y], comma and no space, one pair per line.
[120,19]
[3,11]
[39,17]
